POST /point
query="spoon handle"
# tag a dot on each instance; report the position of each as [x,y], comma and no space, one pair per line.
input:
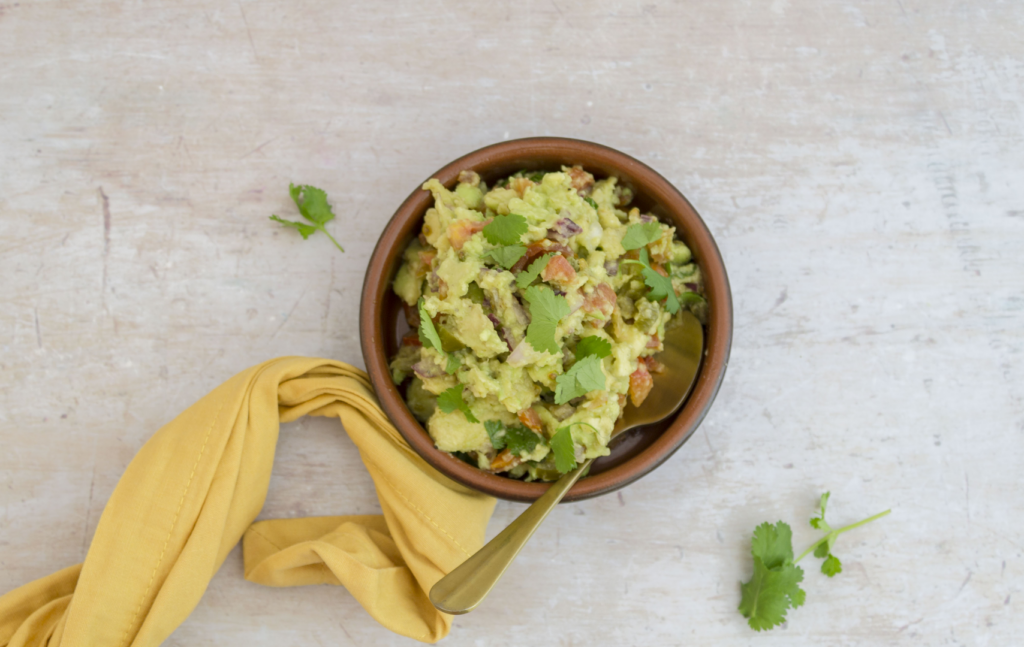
[466,587]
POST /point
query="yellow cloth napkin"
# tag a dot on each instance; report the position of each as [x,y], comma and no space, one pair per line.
[197,485]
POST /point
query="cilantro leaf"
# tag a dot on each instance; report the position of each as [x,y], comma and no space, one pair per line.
[451,399]
[430,338]
[428,333]
[517,439]
[591,202]
[773,544]
[593,345]
[527,276]
[520,440]
[661,286]
[832,566]
[691,299]
[564,450]
[546,310]
[453,364]
[496,432]
[585,376]
[312,204]
[305,230]
[641,234]
[506,230]
[773,588]
[506,255]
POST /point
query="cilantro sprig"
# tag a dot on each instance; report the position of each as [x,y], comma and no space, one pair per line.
[312,204]
[773,589]
[517,439]
[641,234]
[430,338]
[661,286]
[593,345]
[530,274]
[546,310]
[451,399]
[506,255]
[586,374]
[563,447]
[506,230]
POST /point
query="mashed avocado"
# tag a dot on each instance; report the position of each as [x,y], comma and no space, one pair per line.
[537,306]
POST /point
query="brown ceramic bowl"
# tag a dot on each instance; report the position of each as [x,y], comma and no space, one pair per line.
[381,324]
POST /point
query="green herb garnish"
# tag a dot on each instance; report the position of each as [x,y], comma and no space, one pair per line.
[451,399]
[546,310]
[661,286]
[312,204]
[527,276]
[517,438]
[564,448]
[505,230]
[506,255]
[593,345]
[641,234]
[774,589]
[585,376]
[429,337]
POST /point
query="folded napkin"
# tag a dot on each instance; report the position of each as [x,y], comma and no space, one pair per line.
[195,488]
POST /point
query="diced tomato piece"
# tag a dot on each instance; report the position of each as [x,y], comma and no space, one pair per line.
[654,366]
[411,338]
[425,258]
[461,230]
[538,249]
[531,419]
[520,185]
[622,405]
[601,300]
[559,270]
[582,181]
[653,342]
[640,384]
[504,461]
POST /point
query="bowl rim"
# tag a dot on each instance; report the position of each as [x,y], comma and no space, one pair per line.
[690,227]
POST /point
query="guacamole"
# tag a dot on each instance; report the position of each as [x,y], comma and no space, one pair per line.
[537,307]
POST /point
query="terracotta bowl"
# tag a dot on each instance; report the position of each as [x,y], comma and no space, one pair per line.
[381,324]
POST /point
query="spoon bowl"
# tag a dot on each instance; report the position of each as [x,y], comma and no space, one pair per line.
[465,588]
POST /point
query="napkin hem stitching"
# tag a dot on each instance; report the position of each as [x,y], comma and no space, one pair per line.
[174,522]
[425,515]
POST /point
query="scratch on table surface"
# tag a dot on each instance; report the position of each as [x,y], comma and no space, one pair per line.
[248,31]
[967,579]
[327,305]
[88,505]
[257,148]
[39,337]
[288,316]
[106,235]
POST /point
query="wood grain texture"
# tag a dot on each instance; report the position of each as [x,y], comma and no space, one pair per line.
[860,163]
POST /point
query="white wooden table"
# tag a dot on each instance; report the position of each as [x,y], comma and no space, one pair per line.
[860,163]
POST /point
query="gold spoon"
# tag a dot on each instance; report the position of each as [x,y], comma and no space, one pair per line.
[466,587]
